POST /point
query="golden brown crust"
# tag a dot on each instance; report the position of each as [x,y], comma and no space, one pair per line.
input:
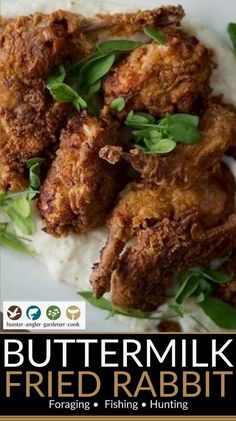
[80,186]
[187,162]
[162,78]
[227,291]
[29,118]
[145,269]
[127,24]
[140,205]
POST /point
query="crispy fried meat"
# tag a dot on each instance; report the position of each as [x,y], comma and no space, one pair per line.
[185,162]
[127,24]
[145,270]
[29,117]
[162,78]
[80,187]
[141,205]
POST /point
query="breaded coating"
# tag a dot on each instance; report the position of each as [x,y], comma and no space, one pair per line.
[145,270]
[186,162]
[162,79]
[140,205]
[127,24]
[29,117]
[80,187]
[227,291]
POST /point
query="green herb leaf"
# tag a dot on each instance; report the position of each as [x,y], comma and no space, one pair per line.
[161,137]
[161,146]
[93,89]
[34,166]
[99,68]
[139,120]
[12,241]
[185,118]
[57,75]
[117,45]
[25,225]
[216,276]
[154,34]
[107,305]
[118,104]
[187,289]
[221,313]
[184,133]
[63,93]
[232,34]
[101,303]
[21,204]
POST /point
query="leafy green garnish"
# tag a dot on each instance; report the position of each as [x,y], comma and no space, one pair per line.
[104,304]
[222,314]
[200,283]
[118,104]
[64,93]
[95,70]
[152,136]
[117,45]
[154,34]
[57,75]
[80,82]
[17,207]
[232,34]
[12,241]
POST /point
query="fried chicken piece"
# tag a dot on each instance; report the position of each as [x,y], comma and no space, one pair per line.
[127,24]
[80,186]
[29,117]
[186,162]
[141,205]
[161,78]
[227,291]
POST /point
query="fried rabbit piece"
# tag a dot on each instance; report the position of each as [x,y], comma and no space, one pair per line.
[227,291]
[29,117]
[145,269]
[140,205]
[126,24]
[185,162]
[80,186]
[161,78]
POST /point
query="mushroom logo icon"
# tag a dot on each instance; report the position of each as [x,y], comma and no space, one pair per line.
[73,313]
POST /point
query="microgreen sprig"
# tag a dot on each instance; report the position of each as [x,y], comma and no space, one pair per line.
[200,283]
[107,305]
[152,136]
[80,82]
[16,207]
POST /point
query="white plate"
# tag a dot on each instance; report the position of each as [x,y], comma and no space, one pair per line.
[24,278]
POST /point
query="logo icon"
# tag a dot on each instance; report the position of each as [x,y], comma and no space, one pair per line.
[14,312]
[73,313]
[33,312]
[53,312]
